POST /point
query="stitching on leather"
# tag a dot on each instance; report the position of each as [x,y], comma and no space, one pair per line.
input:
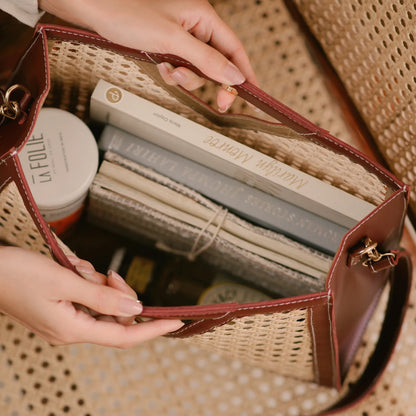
[45,71]
[191,325]
[27,196]
[331,274]
[284,303]
[314,344]
[314,348]
[5,183]
[30,128]
[338,145]
[251,308]
[331,339]
[260,307]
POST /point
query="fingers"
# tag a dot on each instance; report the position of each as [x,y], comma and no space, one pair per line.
[226,41]
[190,81]
[102,299]
[112,334]
[180,76]
[208,60]
[87,271]
[225,97]
[115,281]
[224,60]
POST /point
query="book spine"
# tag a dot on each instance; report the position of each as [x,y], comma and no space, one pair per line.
[250,203]
[113,105]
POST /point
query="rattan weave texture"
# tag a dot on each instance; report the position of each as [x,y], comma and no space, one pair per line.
[170,377]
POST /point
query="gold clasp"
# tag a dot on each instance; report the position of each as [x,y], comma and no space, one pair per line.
[11,108]
[367,254]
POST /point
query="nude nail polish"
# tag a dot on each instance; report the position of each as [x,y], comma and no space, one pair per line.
[233,75]
[130,307]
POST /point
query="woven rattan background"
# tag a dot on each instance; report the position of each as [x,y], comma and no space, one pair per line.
[16,225]
[286,353]
[167,377]
[372,45]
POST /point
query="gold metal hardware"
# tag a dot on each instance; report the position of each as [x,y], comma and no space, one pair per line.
[229,89]
[367,254]
[11,108]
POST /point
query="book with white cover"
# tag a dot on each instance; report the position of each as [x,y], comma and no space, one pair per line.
[257,206]
[113,105]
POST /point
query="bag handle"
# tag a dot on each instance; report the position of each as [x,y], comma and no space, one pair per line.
[400,281]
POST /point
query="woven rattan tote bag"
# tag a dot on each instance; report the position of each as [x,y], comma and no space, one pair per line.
[311,336]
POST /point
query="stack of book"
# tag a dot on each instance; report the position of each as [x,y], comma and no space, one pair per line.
[199,193]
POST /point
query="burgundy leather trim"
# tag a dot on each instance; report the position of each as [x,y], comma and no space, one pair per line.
[32,71]
[324,348]
[237,310]
[401,281]
[356,289]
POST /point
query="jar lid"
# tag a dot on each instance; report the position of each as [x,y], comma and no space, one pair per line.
[60,159]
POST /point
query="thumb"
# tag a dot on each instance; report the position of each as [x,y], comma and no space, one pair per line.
[102,299]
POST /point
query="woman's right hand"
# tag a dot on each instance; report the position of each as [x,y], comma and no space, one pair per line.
[190,29]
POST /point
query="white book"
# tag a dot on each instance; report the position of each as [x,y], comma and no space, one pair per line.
[118,107]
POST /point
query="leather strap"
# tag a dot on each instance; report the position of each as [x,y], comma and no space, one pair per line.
[400,281]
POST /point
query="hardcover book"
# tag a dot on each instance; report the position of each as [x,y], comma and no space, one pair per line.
[113,105]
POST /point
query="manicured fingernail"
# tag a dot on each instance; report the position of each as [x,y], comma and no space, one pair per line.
[174,325]
[166,66]
[130,307]
[85,268]
[233,75]
[115,275]
[223,109]
[178,76]
[73,259]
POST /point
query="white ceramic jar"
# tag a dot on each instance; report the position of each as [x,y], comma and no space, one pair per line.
[60,161]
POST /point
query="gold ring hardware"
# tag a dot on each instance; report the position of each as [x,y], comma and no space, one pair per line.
[229,89]
[366,254]
[11,108]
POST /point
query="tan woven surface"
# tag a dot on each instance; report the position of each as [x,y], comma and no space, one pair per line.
[372,45]
[16,225]
[168,377]
[279,342]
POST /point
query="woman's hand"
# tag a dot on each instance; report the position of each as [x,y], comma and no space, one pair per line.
[190,29]
[64,308]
